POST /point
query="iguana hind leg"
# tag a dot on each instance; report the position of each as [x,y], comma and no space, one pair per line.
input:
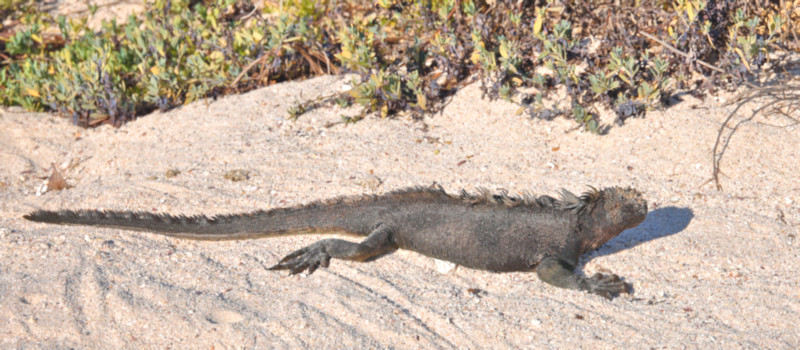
[320,253]
[561,274]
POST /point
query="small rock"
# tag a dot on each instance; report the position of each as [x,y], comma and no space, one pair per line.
[33,299]
[237,175]
[224,316]
[369,182]
[444,266]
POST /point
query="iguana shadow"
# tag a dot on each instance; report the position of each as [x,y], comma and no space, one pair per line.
[659,223]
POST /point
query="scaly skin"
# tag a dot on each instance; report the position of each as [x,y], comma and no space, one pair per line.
[488,232]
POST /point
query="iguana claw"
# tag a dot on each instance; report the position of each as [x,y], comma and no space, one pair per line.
[607,285]
[309,258]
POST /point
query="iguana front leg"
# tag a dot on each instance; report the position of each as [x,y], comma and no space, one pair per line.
[561,274]
[320,253]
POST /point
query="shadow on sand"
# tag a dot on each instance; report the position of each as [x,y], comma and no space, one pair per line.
[659,223]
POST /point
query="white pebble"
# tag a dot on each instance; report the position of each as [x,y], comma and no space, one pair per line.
[224,316]
[444,266]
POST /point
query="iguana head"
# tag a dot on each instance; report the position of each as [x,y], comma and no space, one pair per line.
[625,206]
[611,211]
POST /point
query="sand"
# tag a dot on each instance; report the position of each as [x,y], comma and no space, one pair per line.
[709,268]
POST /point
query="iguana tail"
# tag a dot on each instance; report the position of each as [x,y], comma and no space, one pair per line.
[341,217]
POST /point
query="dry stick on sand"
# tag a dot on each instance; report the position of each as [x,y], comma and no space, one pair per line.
[783,96]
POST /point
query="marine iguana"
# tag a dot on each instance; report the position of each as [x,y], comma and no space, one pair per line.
[482,231]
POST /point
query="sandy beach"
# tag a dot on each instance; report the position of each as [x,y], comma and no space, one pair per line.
[709,268]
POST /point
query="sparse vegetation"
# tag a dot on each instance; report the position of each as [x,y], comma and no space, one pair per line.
[408,56]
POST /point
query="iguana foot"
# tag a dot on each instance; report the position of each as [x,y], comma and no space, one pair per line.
[560,274]
[606,285]
[310,258]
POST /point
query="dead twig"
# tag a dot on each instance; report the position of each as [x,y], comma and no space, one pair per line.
[783,97]
[248,67]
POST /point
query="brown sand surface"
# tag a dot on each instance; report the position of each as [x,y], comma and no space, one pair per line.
[710,269]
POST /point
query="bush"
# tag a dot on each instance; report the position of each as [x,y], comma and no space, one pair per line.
[408,55]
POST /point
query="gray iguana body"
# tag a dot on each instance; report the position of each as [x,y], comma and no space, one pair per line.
[489,232]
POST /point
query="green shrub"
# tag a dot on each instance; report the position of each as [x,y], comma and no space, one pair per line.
[408,56]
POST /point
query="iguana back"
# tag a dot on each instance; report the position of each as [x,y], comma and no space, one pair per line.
[484,231]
